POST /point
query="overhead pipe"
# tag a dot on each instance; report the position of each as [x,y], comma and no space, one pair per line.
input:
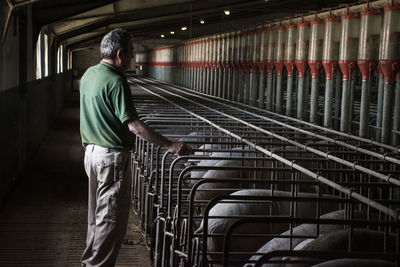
[279,54]
[289,61]
[270,61]
[389,59]
[302,43]
[255,62]
[261,67]
[330,56]
[348,53]
[315,63]
[368,56]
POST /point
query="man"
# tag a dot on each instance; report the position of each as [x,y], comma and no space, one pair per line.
[108,119]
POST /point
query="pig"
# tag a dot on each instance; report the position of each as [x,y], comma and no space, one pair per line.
[251,244]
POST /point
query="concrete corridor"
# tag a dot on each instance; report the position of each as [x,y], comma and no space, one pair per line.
[43,222]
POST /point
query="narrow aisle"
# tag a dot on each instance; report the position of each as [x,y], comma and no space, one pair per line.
[43,222]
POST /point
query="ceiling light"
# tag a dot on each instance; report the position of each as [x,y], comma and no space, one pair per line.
[266,0]
[202,21]
[172,32]
[184,28]
[227,12]
[162,35]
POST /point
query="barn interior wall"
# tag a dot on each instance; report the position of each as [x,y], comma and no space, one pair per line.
[159,64]
[10,56]
[26,114]
[83,59]
[27,106]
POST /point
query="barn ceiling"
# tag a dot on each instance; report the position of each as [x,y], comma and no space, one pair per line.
[79,23]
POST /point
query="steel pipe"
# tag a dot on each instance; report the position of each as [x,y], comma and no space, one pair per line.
[315,63]
[330,55]
[272,34]
[389,59]
[289,61]
[302,44]
[348,53]
[279,55]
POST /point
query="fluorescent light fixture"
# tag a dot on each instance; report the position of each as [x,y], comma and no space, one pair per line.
[162,35]
[184,28]
[227,12]
[172,32]
[202,21]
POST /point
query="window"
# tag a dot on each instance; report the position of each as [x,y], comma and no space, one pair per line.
[46,55]
[60,59]
[69,60]
[39,57]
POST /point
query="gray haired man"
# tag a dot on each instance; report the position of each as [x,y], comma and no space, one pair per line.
[108,122]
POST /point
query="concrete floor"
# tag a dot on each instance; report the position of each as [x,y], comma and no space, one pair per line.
[43,222]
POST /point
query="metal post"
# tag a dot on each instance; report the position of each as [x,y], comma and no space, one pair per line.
[289,95]
[279,94]
[300,98]
[344,121]
[261,89]
[387,112]
[314,100]
[269,91]
[279,62]
[364,109]
[338,96]
[247,62]
[396,116]
[328,103]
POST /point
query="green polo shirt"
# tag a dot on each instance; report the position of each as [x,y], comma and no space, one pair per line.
[105,105]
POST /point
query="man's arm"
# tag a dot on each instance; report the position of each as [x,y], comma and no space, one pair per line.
[145,132]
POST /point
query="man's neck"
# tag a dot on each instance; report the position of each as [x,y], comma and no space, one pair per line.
[111,62]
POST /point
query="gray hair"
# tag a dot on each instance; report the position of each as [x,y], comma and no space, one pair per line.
[117,39]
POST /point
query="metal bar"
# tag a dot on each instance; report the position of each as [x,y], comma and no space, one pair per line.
[364,110]
[314,100]
[293,165]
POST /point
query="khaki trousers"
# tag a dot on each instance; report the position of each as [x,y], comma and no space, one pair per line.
[109,176]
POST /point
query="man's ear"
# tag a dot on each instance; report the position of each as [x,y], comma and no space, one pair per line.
[119,54]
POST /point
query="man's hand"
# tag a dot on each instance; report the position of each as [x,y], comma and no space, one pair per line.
[145,132]
[180,148]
